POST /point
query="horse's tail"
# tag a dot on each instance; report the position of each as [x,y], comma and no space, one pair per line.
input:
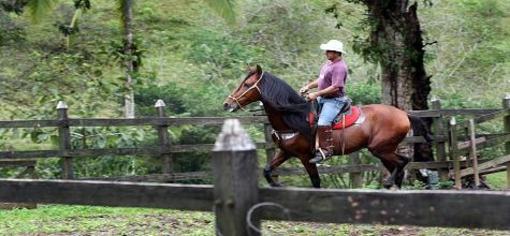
[420,128]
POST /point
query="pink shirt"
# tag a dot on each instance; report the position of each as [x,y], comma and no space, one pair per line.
[333,74]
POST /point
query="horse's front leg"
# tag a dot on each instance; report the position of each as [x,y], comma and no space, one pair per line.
[312,171]
[279,158]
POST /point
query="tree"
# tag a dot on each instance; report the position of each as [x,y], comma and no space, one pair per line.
[397,39]
[404,80]
[125,8]
[395,43]
[38,9]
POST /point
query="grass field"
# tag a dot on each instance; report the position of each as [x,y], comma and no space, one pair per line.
[86,220]
[497,180]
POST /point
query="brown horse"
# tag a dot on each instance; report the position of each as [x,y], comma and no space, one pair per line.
[381,132]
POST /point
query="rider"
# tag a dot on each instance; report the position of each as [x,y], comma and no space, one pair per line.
[330,95]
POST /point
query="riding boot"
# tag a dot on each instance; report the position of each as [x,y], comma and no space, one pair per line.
[325,150]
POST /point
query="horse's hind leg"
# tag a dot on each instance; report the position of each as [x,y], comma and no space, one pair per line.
[399,176]
[390,180]
[395,164]
[279,158]
[312,171]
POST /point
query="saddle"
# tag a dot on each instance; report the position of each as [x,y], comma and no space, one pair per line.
[347,116]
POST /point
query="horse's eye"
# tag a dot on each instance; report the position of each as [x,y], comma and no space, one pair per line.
[246,85]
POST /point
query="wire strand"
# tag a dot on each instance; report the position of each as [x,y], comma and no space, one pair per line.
[252,209]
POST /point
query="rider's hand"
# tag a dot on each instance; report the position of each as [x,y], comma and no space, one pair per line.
[303,90]
[311,96]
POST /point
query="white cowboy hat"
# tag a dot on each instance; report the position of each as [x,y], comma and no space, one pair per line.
[333,45]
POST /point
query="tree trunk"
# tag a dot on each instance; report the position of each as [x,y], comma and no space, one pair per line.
[397,37]
[397,41]
[127,20]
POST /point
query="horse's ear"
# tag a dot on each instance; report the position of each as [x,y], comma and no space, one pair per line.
[259,69]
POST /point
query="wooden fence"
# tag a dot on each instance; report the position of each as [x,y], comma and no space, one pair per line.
[447,155]
[240,204]
[472,142]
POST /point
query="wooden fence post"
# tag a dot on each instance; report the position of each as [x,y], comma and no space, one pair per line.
[235,172]
[438,126]
[64,140]
[454,154]
[164,140]
[473,152]
[506,119]
[355,177]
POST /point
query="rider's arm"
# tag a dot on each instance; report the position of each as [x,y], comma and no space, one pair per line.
[313,84]
[328,90]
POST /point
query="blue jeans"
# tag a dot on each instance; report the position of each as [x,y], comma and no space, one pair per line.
[330,107]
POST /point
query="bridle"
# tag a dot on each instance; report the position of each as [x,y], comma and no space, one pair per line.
[254,86]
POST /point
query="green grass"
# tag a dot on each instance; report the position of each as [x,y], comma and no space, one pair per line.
[497,180]
[79,220]
[87,220]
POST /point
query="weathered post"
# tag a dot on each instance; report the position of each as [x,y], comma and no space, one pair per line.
[164,139]
[473,151]
[438,127]
[235,171]
[64,139]
[454,154]
[506,119]
[355,177]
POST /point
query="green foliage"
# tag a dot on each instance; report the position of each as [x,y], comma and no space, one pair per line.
[364,93]
[195,135]
[13,6]
[225,8]
[192,60]
[10,31]
[415,185]
[172,96]
[471,60]
[219,55]
[40,8]
[446,184]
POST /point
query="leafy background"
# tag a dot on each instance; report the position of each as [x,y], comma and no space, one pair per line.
[192,58]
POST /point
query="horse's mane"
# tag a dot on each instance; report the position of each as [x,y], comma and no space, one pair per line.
[279,95]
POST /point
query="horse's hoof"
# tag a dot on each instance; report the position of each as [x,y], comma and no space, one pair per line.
[276,185]
[315,160]
[394,188]
[388,184]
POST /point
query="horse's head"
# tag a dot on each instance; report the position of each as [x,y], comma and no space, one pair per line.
[247,92]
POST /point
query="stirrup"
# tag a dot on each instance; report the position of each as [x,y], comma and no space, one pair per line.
[319,158]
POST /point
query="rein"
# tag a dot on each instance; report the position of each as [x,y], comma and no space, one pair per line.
[254,86]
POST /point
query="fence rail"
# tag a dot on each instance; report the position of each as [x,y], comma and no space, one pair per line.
[151,121]
[442,139]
